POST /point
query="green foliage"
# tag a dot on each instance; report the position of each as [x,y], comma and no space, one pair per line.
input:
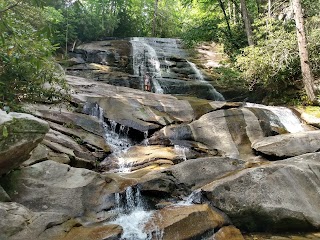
[206,22]
[27,69]
[273,62]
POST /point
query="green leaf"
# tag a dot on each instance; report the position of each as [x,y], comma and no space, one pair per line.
[5,133]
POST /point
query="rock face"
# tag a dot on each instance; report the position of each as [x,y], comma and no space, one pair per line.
[53,187]
[19,135]
[190,175]
[18,222]
[185,222]
[283,195]
[162,59]
[289,145]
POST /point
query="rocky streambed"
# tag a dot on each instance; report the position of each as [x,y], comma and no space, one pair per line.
[122,163]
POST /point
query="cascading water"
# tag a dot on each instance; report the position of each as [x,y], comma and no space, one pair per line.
[280,115]
[163,61]
[199,77]
[181,151]
[146,62]
[130,207]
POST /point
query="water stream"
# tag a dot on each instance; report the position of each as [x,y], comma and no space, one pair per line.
[281,115]
[146,62]
[130,207]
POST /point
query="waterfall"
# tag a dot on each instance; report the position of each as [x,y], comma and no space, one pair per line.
[145,61]
[217,96]
[130,207]
[181,151]
[281,114]
[198,73]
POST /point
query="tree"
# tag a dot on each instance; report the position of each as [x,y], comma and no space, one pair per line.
[247,22]
[156,2]
[307,76]
[27,69]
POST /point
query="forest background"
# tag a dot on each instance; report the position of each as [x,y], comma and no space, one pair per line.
[260,38]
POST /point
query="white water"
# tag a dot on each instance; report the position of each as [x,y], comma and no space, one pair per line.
[133,225]
[198,73]
[199,77]
[283,115]
[130,207]
[145,60]
[181,151]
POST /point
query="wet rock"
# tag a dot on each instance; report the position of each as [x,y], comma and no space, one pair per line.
[228,233]
[185,222]
[137,157]
[54,187]
[289,145]
[19,135]
[280,196]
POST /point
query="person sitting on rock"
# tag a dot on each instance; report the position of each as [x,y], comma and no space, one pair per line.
[147,86]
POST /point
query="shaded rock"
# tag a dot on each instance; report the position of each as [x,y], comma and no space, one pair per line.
[42,153]
[107,232]
[67,118]
[289,145]
[39,154]
[228,233]
[17,222]
[59,157]
[54,187]
[86,138]
[20,134]
[57,137]
[190,175]
[283,195]
[4,197]
[185,222]
[200,89]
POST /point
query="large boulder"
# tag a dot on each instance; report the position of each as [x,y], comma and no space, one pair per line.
[228,233]
[18,222]
[185,221]
[190,175]
[142,111]
[227,132]
[289,145]
[283,195]
[19,135]
[53,187]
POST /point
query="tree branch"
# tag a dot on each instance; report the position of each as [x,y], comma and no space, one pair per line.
[10,7]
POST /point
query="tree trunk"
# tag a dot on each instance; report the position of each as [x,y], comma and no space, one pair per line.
[156,2]
[308,79]
[269,8]
[225,18]
[247,23]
